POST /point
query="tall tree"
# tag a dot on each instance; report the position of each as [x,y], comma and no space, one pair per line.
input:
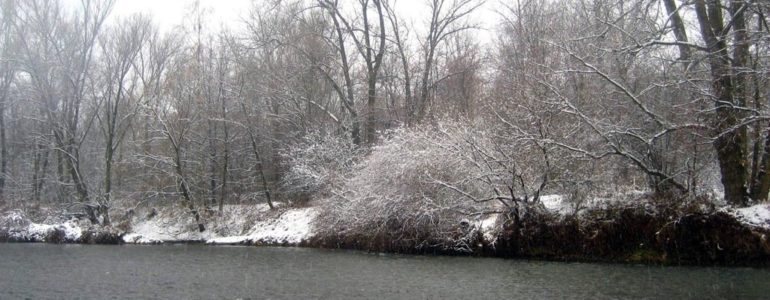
[366,48]
[67,42]
[7,74]
[346,90]
[726,47]
[120,47]
[447,17]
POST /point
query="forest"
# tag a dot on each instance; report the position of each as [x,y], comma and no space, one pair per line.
[396,128]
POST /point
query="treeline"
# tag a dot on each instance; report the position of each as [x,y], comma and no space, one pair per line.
[571,97]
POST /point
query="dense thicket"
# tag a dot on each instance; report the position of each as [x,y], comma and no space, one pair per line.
[350,102]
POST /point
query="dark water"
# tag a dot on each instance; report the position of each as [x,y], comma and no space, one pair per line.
[42,271]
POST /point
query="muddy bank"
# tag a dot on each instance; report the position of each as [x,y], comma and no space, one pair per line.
[632,235]
[618,234]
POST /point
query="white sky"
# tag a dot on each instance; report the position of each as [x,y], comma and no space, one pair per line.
[169,13]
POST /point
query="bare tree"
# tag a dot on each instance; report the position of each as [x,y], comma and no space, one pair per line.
[399,39]
[177,120]
[447,18]
[344,91]
[120,48]
[725,48]
[366,48]
[152,67]
[54,39]
[8,65]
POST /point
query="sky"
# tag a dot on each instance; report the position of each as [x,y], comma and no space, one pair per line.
[169,13]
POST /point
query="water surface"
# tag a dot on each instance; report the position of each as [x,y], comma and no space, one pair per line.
[45,271]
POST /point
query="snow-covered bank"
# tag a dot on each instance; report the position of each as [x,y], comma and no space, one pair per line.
[490,227]
[16,226]
[756,216]
[236,225]
[551,230]
[291,227]
[24,230]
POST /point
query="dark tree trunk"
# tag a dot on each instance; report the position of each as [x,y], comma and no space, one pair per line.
[731,141]
[185,189]
[3,149]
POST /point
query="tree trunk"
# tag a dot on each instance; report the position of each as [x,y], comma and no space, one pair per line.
[185,189]
[260,169]
[679,29]
[371,132]
[73,165]
[212,165]
[223,190]
[3,149]
[347,99]
[730,144]
[761,185]
[259,166]
[38,174]
[104,206]
[226,150]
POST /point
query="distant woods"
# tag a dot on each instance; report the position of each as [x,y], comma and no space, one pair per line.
[662,95]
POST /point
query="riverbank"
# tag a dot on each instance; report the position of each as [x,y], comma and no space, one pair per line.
[236,224]
[642,232]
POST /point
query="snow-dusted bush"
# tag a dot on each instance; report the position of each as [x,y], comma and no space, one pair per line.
[422,188]
[315,161]
[430,188]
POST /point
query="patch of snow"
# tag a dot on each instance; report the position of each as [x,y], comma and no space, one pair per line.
[166,228]
[488,227]
[149,232]
[15,216]
[230,240]
[757,215]
[39,232]
[556,204]
[72,230]
[292,227]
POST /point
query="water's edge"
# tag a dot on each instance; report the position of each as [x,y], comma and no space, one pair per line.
[622,235]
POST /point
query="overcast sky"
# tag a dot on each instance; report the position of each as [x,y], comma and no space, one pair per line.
[169,13]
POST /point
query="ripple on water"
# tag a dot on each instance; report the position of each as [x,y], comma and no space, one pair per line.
[44,271]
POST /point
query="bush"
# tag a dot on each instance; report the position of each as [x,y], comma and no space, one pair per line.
[314,162]
[412,193]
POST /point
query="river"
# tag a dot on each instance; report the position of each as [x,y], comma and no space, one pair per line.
[46,271]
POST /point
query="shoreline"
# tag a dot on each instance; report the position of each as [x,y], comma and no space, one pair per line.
[610,235]
[585,260]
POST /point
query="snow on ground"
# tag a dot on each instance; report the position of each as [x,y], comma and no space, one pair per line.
[159,230]
[489,227]
[236,225]
[291,227]
[556,204]
[25,230]
[563,205]
[757,215]
[230,240]
[72,230]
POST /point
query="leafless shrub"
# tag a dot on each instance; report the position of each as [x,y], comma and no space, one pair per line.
[314,162]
